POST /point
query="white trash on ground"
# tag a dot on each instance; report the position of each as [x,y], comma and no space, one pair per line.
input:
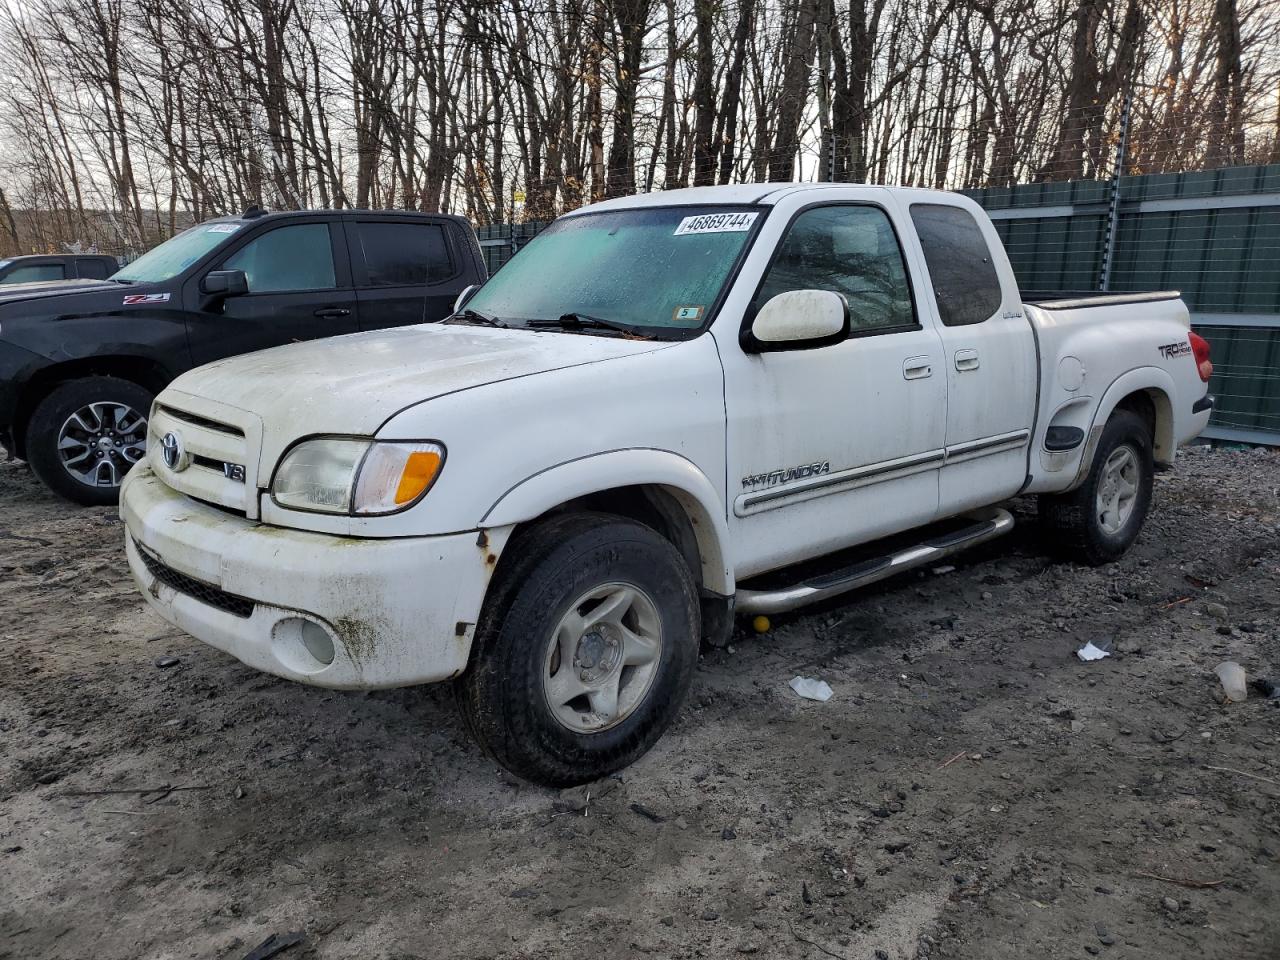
[1232,676]
[1090,652]
[811,689]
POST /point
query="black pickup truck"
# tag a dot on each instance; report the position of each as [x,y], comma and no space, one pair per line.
[81,360]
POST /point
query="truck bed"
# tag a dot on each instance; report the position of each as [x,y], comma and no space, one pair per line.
[1071,299]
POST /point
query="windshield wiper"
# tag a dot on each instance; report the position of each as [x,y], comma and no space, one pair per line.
[475,316]
[583,321]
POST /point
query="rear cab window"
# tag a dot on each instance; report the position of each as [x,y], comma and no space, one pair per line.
[962,272]
[91,269]
[403,253]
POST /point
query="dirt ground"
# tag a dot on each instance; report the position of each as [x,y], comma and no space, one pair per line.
[972,790]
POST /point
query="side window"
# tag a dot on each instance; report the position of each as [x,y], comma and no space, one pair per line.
[296,257]
[92,269]
[850,250]
[35,273]
[964,278]
[404,254]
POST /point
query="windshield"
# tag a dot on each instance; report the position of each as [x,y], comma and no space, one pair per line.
[648,268]
[176,254]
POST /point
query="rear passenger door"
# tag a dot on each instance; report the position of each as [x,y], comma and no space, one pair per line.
[989,355]
[406,270]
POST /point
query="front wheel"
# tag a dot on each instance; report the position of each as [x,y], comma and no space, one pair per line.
[1100,520]
[585,650]
[86,435]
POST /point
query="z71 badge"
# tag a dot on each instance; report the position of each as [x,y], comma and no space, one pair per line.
[762,481]
[1171,350]
[134,299]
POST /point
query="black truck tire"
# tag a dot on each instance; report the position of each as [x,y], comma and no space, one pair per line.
[581,602]
[84,436]
[1099,520]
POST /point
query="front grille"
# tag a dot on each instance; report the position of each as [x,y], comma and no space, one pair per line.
[198,589]
[220,458]
[200,421]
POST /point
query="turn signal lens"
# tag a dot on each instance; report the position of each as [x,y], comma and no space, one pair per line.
[396,475]
[1200,348]
[420,469]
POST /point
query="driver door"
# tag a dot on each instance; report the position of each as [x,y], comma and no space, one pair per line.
[836,445]
[299,289]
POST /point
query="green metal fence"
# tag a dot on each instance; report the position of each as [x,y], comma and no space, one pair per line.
[500,241]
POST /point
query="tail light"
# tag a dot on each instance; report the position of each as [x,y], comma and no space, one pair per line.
[1200,348]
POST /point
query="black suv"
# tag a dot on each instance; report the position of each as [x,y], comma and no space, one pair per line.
[80,361]
[42,267]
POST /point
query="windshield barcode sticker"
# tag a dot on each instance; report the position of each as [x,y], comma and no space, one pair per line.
[716,223]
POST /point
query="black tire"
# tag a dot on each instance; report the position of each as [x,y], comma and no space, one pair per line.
[46,425]
[543,571]
[1073,520]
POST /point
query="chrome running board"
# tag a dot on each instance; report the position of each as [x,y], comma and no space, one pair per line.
[987,525]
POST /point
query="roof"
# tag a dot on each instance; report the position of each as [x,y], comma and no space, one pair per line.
[740,193]
[345,212]
[56,256]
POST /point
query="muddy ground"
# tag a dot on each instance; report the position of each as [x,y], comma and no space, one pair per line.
[972,790]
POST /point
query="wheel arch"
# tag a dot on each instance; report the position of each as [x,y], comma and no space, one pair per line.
[143,371]
[656,487]
[1146,392]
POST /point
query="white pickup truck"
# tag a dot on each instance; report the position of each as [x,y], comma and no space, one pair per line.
[666,410]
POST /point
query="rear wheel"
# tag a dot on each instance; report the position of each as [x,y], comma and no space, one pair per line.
[86,435]
[585,649]
[1100,520]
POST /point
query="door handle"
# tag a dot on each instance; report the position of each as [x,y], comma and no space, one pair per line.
[967,360]
[917,368]
[327,312]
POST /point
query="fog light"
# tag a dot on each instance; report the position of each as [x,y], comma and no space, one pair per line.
[302,645]
[317,641]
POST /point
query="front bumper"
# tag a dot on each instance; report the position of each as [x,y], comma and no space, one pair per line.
[398,611]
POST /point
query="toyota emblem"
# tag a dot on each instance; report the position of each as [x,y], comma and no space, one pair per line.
[175,454]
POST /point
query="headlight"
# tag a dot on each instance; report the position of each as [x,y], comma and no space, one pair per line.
[342,475]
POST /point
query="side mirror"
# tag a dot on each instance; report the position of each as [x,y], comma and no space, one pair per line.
[800,320]
[225,283]
[464,296]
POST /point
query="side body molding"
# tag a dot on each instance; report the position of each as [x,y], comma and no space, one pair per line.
[678,476]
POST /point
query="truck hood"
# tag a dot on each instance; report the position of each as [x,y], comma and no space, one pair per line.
[18,292]
[353,384]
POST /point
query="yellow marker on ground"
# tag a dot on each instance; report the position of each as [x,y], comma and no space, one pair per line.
[761,624]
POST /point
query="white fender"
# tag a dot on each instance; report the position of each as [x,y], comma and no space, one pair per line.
[1140,378]
[549,488]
